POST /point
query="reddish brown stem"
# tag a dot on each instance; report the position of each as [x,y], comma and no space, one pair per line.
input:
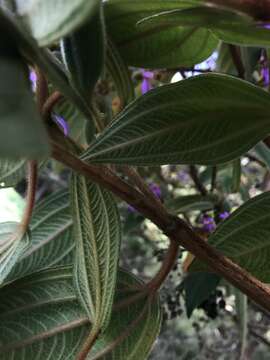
[50,103]
[175,228]
[88,344]
[30,197]
[42,89]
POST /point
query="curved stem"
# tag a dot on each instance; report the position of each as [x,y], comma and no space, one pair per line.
[165,269]
[42,89]
[30,197]
[89,342]
[50,103]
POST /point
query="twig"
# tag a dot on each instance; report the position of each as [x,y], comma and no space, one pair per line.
[49,104]
[197,182]
[213,179]
[42,90]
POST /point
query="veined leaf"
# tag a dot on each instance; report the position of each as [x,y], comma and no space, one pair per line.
[40,319]
[188,203]
[97,238]
[177,46]
[11,172]
[245,237]
[51,236]
[12,246]
[208,119]
[50,20]
[84,51]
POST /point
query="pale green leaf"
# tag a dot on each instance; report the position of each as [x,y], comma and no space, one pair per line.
[49,20]
[11,172]
[97,237]
[245,237]
[12,245]
[40,319]
[176,46]
[207,119]
[51,236]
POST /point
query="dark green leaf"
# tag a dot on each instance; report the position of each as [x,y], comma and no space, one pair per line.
[245,237]
[97,238]
[50,20]
[177,46]
[12,245]
[208,119]
[41,320]
[263,152]
[51,236]
[188,203]
[198,287]
[18,114]
[83,52]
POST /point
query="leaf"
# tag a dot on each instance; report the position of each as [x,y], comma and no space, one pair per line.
[41,320]
[263,152]
[236,175]
[245,238]
[83,53]
[50,20]
[12,245]
[177,46]
[44,59]
[188,203]
[198,287]
[120,74]
[51,236]
[207,119]
[97,238]
[241,306]
[18,114]
[11,172]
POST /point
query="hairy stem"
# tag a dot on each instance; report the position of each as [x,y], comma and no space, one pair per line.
[88,344]
[175,228]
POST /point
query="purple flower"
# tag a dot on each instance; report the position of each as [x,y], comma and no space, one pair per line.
[155,190]
[131,209]
[265,75]
[224,215]
[62,123]
[208,223]
[146,83]
[183,176]
[33,79]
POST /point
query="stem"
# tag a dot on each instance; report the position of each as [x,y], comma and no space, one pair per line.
[175,228]
[165,269]
[237,60]
[42,89]
[49,104]
[89,342]
[30,198]
[194,175]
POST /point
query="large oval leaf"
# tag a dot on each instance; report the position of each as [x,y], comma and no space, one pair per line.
[51,236]
[172,47]
[245,237]
[50,20]
[40,319]
[12,245]
[97,238]
[208,119]
[11,172]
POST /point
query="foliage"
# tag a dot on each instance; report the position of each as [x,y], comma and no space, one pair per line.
[87,93]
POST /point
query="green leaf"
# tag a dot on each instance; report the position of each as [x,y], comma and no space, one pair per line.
[41,320]
[50,20]
[84,51]
[198,287]
[120,74]
[208,119]
[224,63]
[188,203]
[18,114]
[245,238]
[44,59]
[12,245]
[263,152]
[51,236]
[97,238]
[177,46]
[241,306]
[236,175]
[11,172]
